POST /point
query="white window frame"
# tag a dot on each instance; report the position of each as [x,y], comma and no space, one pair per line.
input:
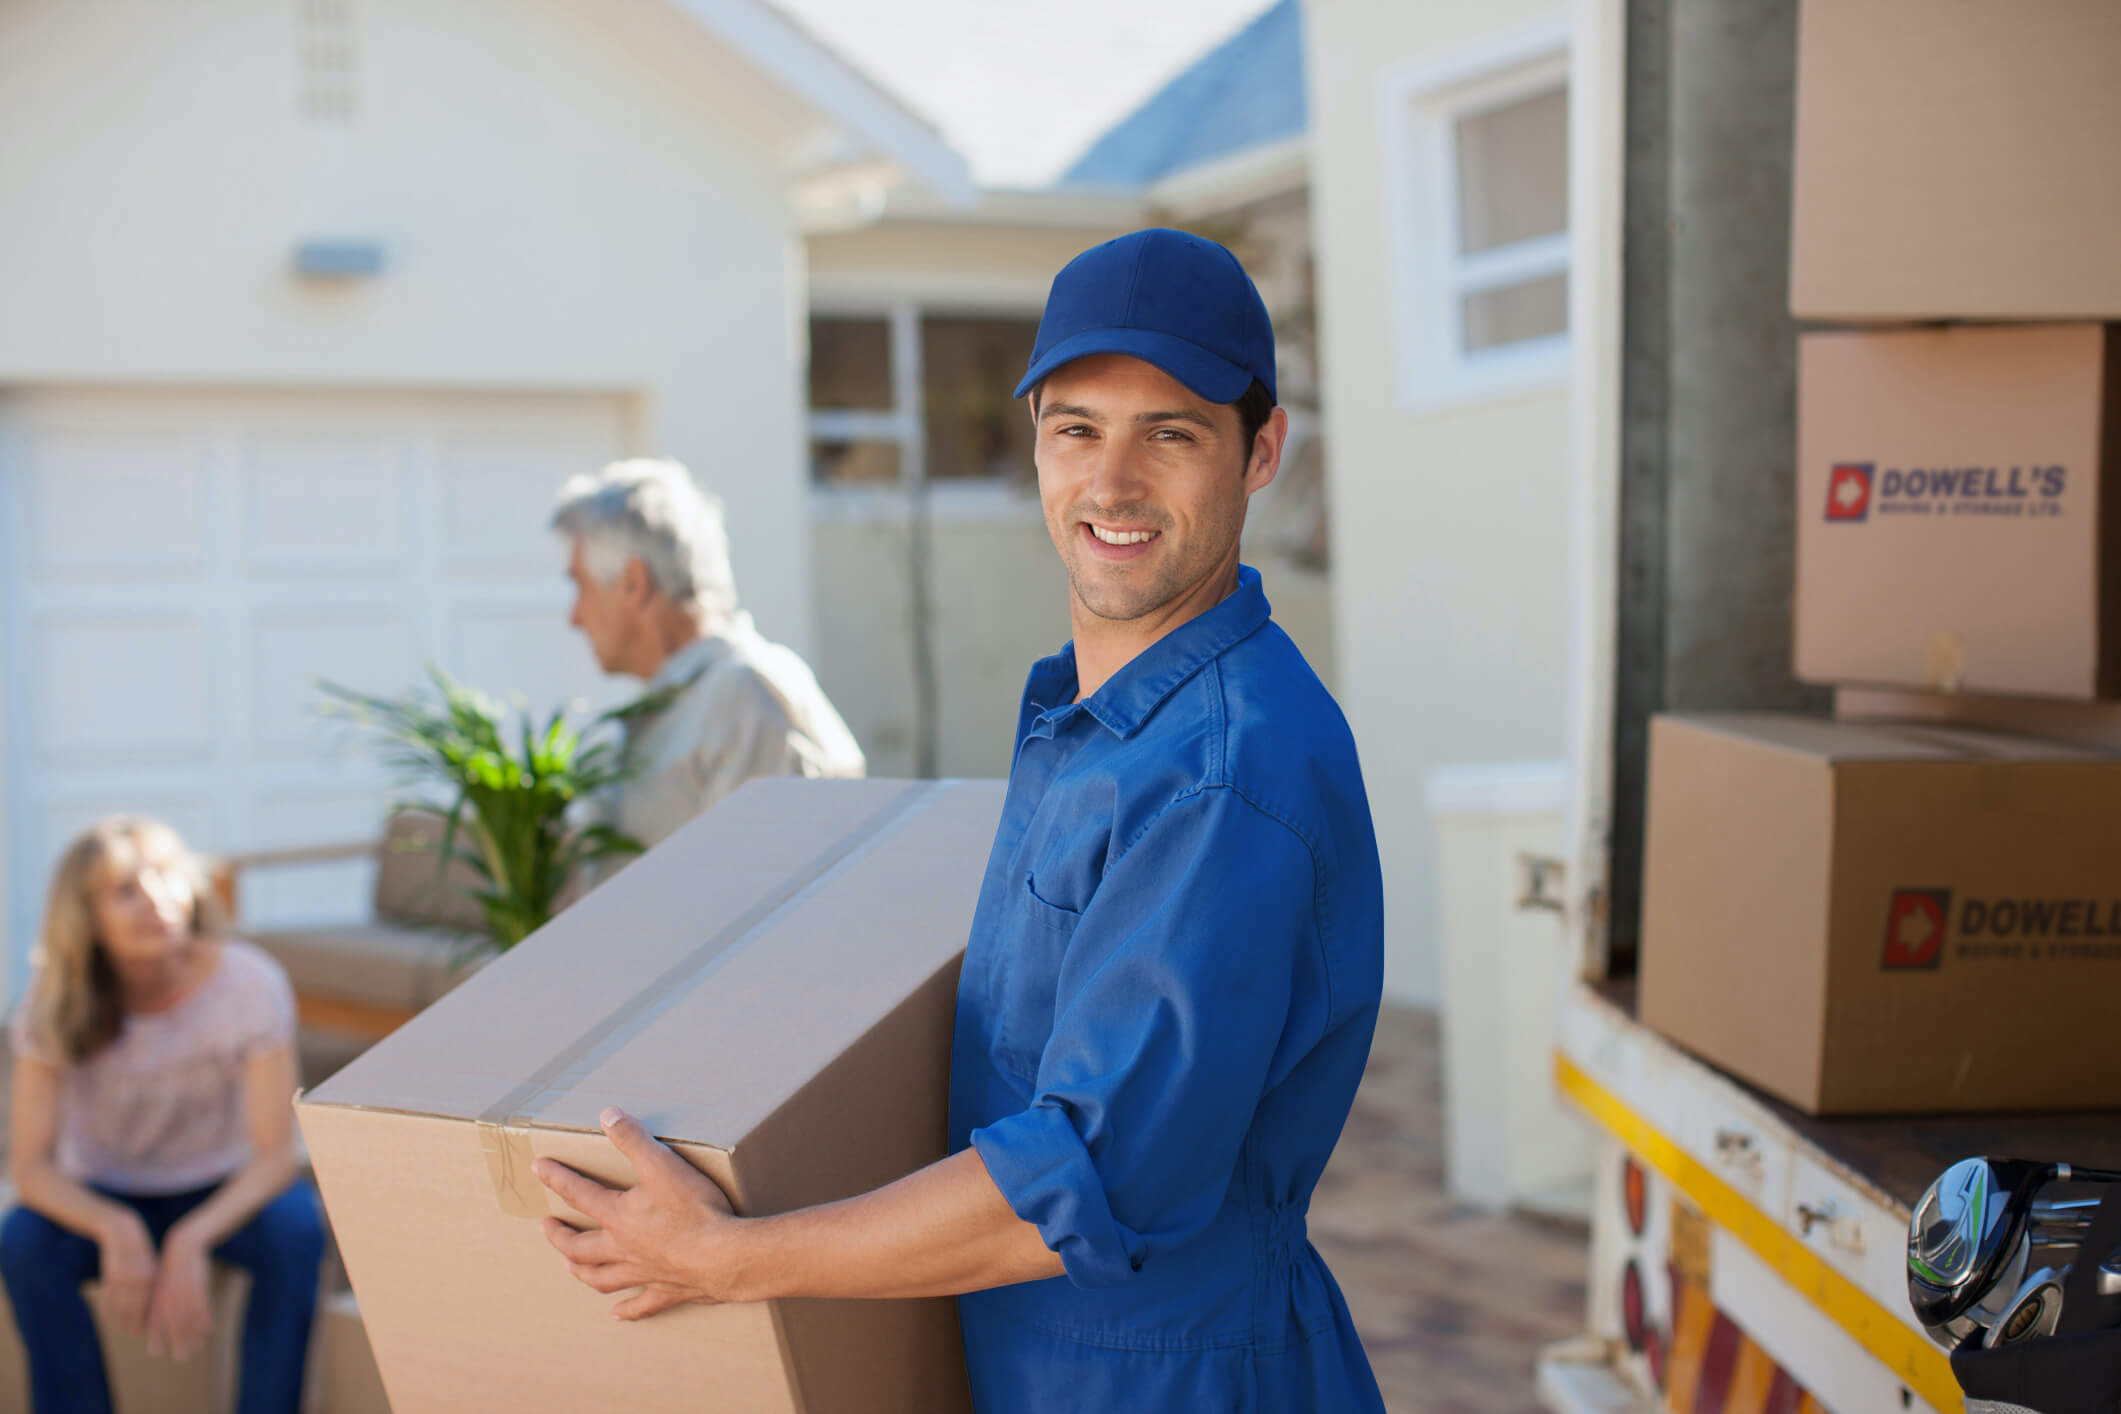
[1422,103]
[905,424]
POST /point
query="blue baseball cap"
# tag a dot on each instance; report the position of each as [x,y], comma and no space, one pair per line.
[1175,300]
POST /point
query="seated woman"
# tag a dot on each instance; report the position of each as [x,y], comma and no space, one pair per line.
[151,1130]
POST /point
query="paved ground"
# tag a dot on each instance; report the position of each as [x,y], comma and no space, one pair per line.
[1452,1303]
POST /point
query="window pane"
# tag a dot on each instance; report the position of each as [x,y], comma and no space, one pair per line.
[850,364]
[854,463]
[1513,172]
[1510,314]
[969,368]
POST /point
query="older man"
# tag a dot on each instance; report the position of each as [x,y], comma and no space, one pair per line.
[654,595]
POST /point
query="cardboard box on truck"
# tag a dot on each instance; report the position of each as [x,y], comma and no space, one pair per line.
[1956,161]
[1865,919]
[1959,509]
[772,992]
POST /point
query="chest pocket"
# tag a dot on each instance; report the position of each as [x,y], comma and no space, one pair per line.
[1028,977]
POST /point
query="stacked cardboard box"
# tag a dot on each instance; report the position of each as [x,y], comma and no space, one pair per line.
[1956,519]
[1956,161]
[1885,916]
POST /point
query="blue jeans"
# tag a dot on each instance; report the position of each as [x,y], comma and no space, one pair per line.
[45,1264]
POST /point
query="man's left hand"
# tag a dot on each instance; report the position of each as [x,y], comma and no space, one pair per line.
[658,1236]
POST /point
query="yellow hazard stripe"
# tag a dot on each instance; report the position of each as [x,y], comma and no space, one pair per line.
[1922,1366]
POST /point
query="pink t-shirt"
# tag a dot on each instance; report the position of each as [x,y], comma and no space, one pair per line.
[160,1109]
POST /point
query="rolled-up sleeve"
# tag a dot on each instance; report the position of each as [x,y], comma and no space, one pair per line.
[1169,1010]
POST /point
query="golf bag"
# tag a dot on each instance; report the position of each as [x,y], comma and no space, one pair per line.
[2077,1370]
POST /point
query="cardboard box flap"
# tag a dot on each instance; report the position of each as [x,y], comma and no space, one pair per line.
[1983,744]
[2093,724]
[547,1037]
[798,993]
[1884,741]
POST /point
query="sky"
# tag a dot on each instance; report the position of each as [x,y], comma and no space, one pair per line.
[1022,89]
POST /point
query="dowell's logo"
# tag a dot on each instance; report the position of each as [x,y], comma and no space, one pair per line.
[1848,491]
[1920,922]
[1914,928]
[1861,491]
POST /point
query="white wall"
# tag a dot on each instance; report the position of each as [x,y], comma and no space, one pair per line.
[577,197]
[999,603]
[1450,524]
[976,264]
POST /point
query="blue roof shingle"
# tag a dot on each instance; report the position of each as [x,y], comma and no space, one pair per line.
[1247,91]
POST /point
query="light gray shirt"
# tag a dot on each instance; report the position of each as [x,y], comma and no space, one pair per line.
[742,707]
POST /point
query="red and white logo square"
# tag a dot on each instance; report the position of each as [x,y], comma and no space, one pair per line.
[1848,491]
[1914,928]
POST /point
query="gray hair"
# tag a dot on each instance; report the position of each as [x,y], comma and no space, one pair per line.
[649,509]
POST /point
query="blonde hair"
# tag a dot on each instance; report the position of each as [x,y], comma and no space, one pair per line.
[75,1008]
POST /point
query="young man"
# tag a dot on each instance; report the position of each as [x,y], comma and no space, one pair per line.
[1174,969]
[655,599]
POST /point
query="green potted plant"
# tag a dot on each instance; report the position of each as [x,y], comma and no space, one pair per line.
[507,816]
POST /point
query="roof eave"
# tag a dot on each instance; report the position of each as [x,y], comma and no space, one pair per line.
[1226,183]
[782,50]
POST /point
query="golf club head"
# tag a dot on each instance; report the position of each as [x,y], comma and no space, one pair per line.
[1970,1235]
[1992,1302]
[2032,1313]
[1966,1233]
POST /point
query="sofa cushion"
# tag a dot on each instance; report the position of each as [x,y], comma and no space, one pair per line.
[376,964]
[412,887]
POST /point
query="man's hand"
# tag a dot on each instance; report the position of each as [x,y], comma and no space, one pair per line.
[127,1268]
[181,1312]
[659,1235]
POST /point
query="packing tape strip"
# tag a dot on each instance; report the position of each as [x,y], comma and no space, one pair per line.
[508,1158]
[518,1110]
[1944,661]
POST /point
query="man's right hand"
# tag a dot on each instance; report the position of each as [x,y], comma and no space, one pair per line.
[128,1262]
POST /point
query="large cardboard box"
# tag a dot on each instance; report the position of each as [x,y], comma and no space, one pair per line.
[1866,919]
[771,990]
[1956,160]
[1959,509]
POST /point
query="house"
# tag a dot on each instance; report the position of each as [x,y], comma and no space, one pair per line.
[305,311]
[922,318]
[1440,202]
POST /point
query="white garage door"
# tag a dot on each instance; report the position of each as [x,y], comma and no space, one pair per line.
[178,569]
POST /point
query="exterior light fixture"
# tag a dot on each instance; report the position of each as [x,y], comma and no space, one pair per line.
[339,260]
